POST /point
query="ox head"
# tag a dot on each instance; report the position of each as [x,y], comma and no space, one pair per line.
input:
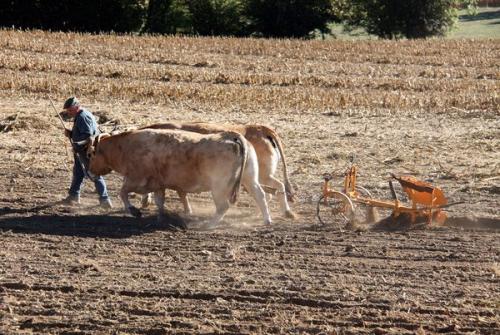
[97,161]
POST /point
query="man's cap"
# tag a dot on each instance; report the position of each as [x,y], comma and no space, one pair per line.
[70,102]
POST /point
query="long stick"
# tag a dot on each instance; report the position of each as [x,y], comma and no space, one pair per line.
[64,126]
[59,116]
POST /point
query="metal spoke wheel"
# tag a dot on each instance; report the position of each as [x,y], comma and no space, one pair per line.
[334,208]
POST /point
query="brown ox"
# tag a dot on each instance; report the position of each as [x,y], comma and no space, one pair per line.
[268,148]
[152,160]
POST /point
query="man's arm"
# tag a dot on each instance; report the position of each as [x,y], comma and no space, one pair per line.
[82,130]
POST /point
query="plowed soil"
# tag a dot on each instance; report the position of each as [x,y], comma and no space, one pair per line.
[426,108]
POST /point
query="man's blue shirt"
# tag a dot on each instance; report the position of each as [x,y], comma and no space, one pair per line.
[84,126]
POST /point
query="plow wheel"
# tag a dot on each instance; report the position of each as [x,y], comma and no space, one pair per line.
[335,208]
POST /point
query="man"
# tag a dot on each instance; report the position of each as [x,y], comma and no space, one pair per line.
[84,126]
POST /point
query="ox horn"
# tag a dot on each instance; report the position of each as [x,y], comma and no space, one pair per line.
[92,139]
[83,142]
[98,138]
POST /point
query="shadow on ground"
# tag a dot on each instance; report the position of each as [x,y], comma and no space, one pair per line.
[403,222]
[482,16]
[89,225]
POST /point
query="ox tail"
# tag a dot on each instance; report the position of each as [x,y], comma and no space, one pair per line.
[273,137]
[243,154]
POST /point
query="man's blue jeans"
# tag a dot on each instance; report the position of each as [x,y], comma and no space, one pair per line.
[78,177]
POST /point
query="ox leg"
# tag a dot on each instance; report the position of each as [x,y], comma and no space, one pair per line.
[260,198]
[146,200]
[251,183]
[280,195]
[221,205]
[185,202]
[126,203]
[268,165]
[160,201]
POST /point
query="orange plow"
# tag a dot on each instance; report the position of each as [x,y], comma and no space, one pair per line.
[426,201]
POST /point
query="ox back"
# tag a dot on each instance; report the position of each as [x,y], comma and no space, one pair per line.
[265,141]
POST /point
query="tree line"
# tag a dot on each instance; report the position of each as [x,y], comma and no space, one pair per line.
[258,18]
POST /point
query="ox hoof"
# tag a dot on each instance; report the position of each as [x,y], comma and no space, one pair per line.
[176,226]
[182,225]
[210,224]
[135,212]
[290,215]
[268,222]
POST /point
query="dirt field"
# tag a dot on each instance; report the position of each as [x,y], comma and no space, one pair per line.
[426,108]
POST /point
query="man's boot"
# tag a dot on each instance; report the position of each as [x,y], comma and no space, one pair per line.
[105,203]
[71,200]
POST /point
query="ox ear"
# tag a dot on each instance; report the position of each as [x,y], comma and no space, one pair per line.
[95,140]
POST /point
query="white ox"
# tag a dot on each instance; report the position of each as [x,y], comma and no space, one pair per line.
[269,150]
[152,160]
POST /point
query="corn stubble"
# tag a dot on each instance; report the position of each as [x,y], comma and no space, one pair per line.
[252,73]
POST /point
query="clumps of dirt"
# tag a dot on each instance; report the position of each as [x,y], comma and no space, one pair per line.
[114,74]
[175,221]
[354,225]
[104,118]
[85,266]
[495,268]
[18,122]
[493,189]
[474,222]
[205,64]
[109,123]
[6,125]
[402,222]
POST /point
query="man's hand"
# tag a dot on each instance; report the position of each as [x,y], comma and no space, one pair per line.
[67,133]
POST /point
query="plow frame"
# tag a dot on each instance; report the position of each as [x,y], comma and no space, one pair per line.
[426,200]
